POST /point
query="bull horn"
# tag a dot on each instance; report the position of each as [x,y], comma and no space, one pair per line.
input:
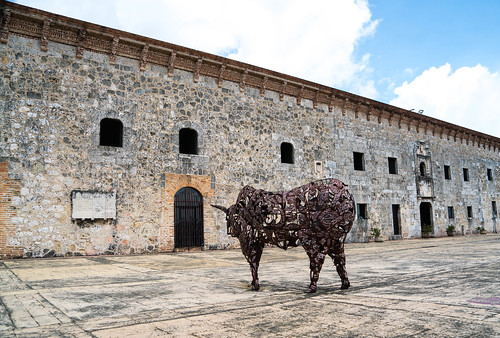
[220,207]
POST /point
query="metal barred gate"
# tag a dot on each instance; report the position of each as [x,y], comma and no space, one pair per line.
[188,216]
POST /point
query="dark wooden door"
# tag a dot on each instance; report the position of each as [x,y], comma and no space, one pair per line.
[188,215]
[395,220]
[426,214]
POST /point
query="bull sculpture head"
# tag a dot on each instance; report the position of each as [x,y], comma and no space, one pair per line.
[233,226]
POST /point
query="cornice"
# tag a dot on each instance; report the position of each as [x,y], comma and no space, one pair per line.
[36,24]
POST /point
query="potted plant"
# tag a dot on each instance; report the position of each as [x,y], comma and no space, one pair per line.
[450,230]
[481,230]
[426,230]
[376,234]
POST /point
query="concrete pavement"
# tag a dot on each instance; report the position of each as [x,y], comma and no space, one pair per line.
[447,287]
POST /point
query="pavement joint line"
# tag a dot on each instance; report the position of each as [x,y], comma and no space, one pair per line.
[193,314]
[55,310]
[79,287]
[358,300]
[25,331]
[8,310]
[12,273]
[20,317]
[419,274]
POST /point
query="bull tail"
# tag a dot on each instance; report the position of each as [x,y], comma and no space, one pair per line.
[220,208]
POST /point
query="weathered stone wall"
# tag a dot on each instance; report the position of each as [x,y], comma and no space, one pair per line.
[379,189]
[52,104]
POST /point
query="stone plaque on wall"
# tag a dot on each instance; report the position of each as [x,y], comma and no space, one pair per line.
[93,205]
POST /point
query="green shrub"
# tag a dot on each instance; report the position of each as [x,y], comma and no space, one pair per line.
[375,232]
[427,228]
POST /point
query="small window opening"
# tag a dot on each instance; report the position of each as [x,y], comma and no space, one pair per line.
[469,212]
[359,161]
[466,175]
[422,169]
[451,213]
[447,172]
[188,141]
[489,174]
[111,133]
[286,153]
[393,165]
[494,209]
[318,167]
[362,211]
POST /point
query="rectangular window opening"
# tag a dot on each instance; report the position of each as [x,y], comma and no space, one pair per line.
[466,175]
[469,212]
[489,173]
[111,133]
[393,165]
[494,209]
[447,172]
[359,161]
[188,141]
[287,153]
[362,211]
[451,213]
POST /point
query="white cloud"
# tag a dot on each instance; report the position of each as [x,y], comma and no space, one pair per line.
[409,71]
[469,97]
[314,40]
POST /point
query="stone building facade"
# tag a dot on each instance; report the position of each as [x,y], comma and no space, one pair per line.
[113,143]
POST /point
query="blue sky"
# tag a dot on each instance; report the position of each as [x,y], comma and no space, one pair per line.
[440,56]
[413,36]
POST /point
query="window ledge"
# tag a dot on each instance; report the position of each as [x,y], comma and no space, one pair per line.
[191,156]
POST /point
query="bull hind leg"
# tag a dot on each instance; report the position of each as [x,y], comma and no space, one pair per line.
[338,256]
[316,260]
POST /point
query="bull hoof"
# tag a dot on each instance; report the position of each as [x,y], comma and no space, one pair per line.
[312,289]
[255,287]
[345,285]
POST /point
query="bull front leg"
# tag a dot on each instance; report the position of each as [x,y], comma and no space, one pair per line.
[316,259]
[338,256]
[253,252]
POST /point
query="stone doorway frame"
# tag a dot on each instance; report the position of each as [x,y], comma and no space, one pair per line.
[173,183]
[426,207]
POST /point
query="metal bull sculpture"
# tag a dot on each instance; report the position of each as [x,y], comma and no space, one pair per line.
[317,216]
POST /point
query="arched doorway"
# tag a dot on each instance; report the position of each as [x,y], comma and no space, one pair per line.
[188,218]
[426,215]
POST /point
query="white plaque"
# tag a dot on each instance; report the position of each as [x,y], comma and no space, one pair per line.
[93,205]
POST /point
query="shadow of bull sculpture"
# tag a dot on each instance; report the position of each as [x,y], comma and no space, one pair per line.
[317,216]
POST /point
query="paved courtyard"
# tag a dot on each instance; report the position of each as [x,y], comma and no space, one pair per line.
[447,287]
